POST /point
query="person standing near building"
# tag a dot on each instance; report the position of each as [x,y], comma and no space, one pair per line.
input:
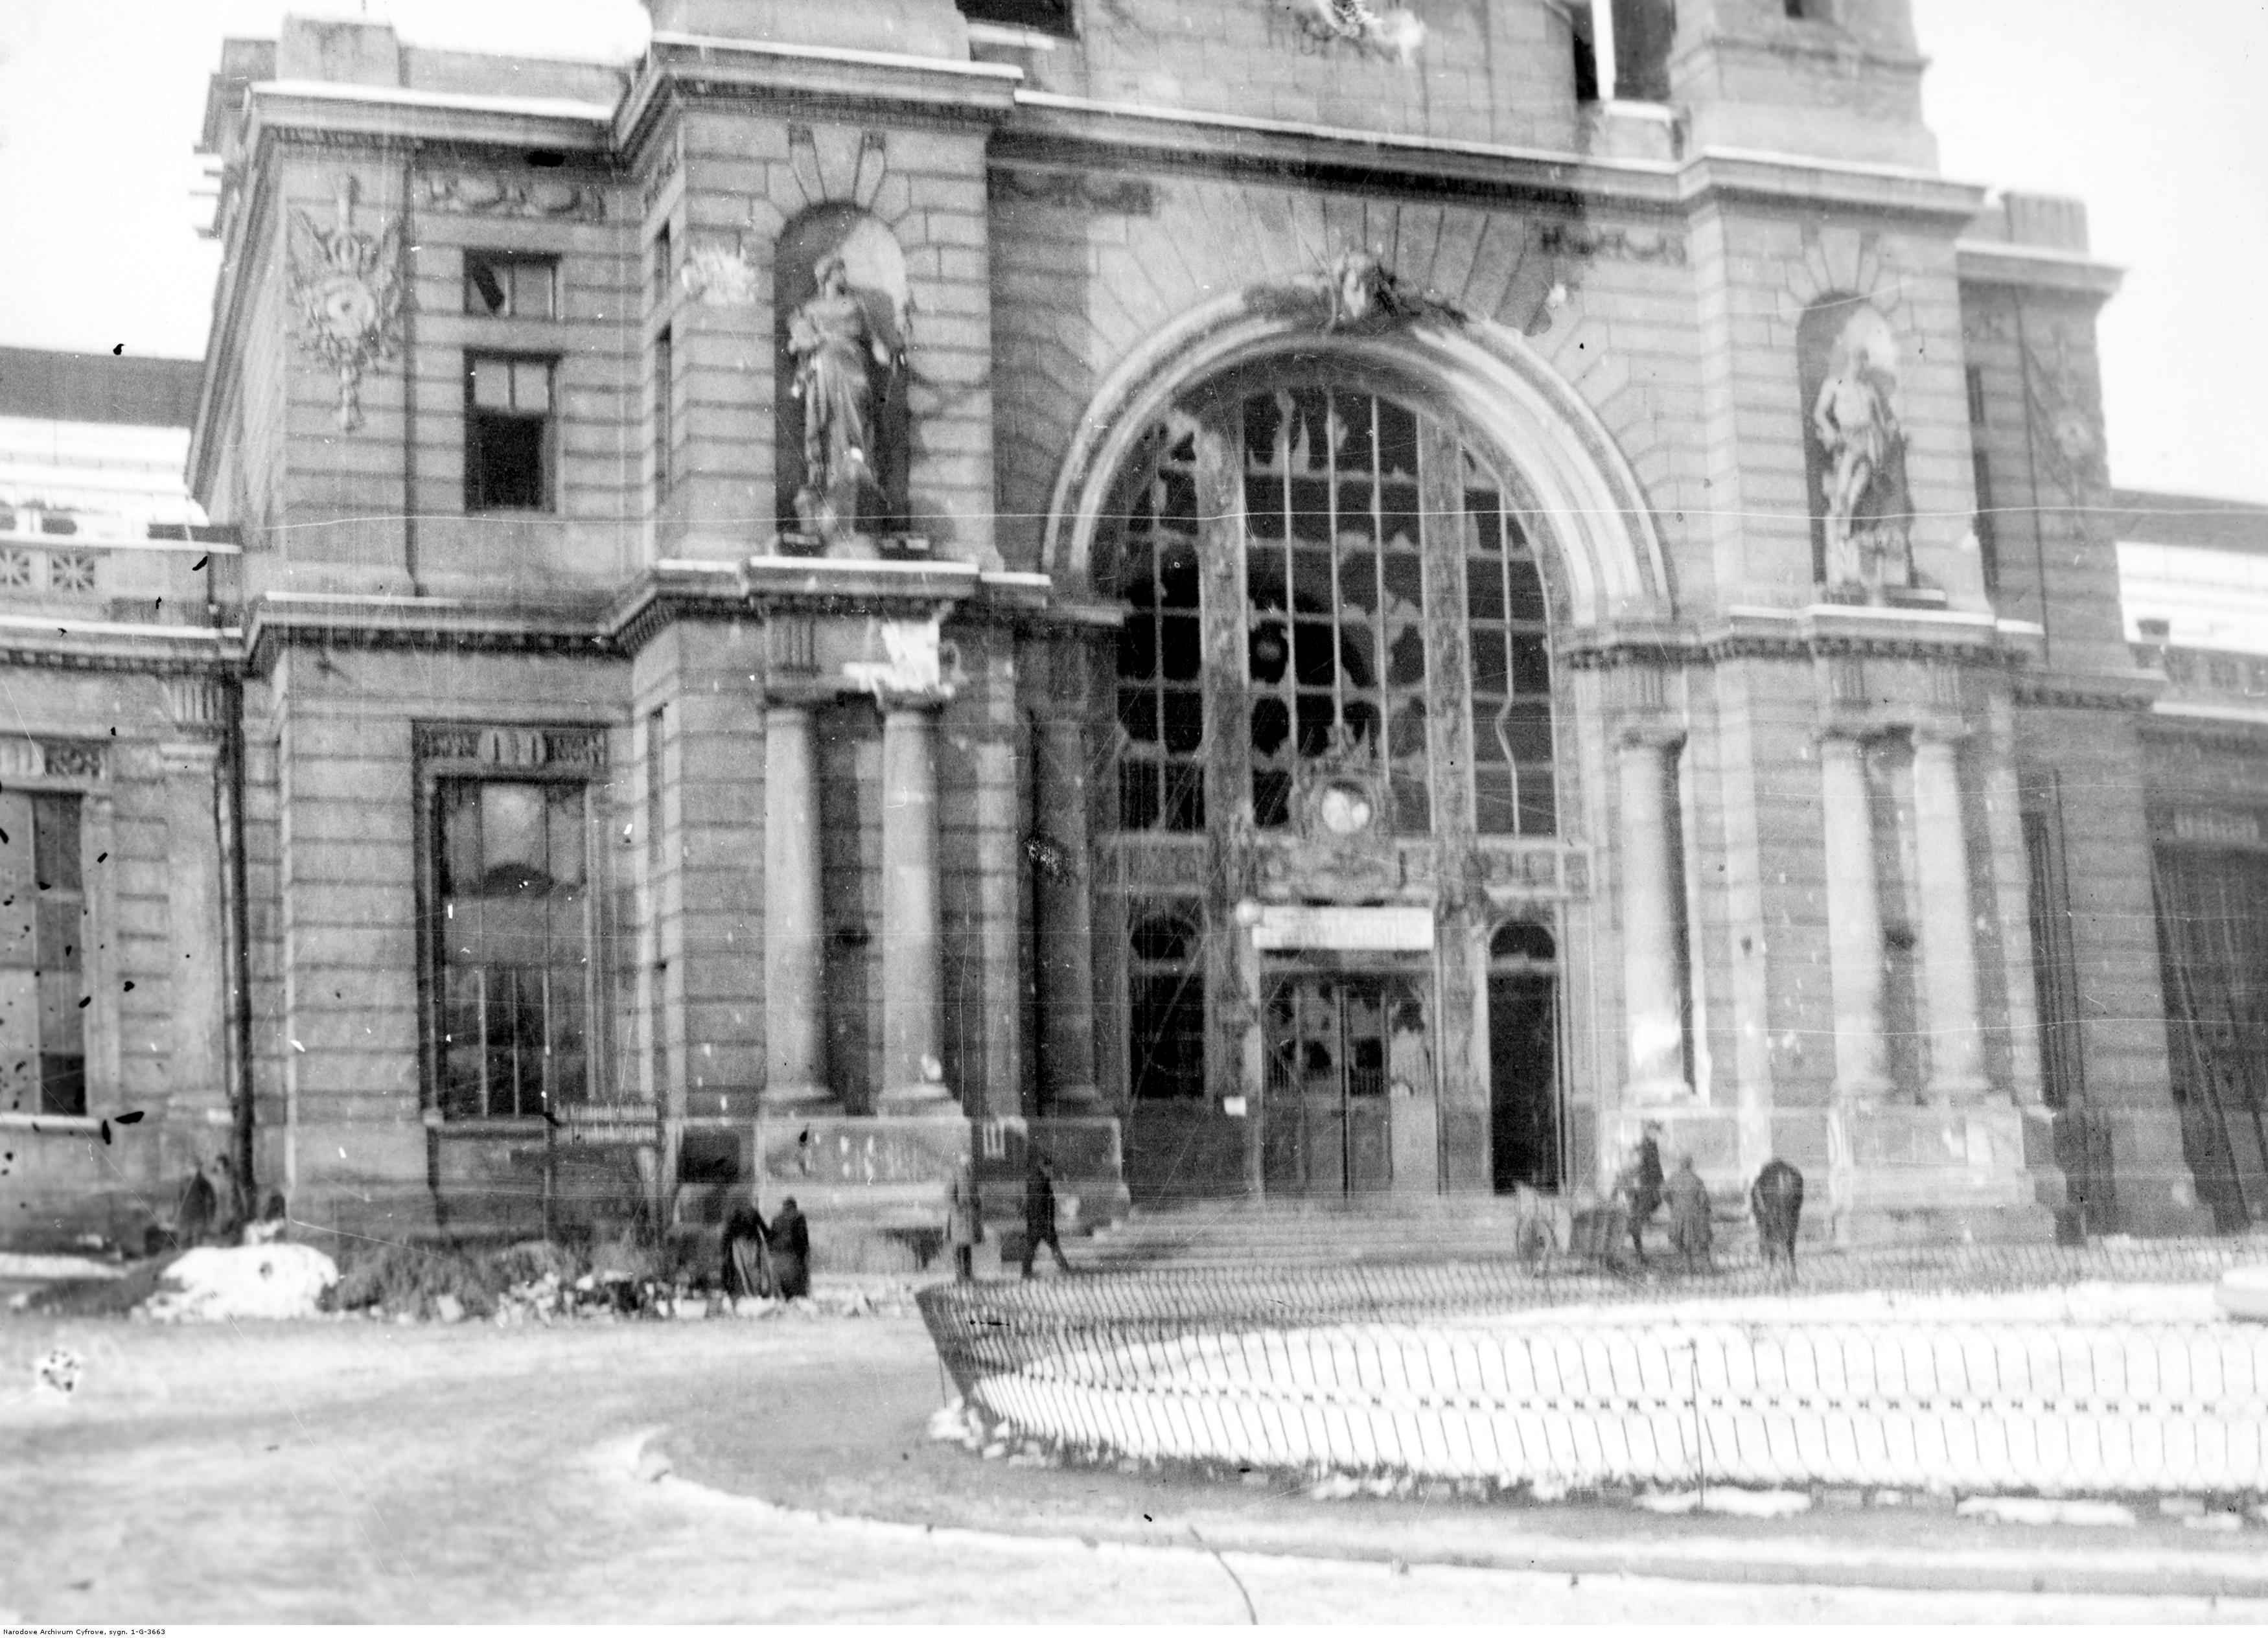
[790,1249]
[964,1220]
[1040,1217]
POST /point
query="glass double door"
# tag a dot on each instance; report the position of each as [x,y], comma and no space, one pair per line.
[1333,1043]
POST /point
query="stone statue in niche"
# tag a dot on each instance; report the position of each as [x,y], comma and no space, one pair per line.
[844,365]
[1868,519]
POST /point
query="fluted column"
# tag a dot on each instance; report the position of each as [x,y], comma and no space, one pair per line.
[1948,934]
[795,1034]
[1854,921]
[912,1078]
[1066,942]
[1653,965]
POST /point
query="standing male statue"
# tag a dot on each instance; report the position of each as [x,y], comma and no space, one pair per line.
[842,367]
[1859,428]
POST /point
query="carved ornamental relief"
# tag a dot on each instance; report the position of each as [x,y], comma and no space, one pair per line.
[347,285]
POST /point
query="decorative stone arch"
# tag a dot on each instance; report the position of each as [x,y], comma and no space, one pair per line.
[1604,553]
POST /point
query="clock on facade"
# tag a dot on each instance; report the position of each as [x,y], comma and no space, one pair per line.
[1343,809]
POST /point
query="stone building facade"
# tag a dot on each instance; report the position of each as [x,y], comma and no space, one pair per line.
[1277,597]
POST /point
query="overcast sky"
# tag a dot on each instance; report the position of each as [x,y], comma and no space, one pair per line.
[2149,109]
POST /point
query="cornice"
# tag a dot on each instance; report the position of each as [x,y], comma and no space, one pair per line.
[388,116]
[280,621]
[84,645]
[703,65]
[2135,692]
[1882,190]
[1796,635]
[1050,126]
[2249,739]
[2034,267]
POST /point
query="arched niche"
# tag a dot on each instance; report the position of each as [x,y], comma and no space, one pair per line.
[1845,340]
[876,267]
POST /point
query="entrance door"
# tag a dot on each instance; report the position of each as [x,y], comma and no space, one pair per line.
[1327,1121]
[1523,1080]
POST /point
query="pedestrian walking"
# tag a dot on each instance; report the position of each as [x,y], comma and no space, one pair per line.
[1040,1216]
[1639,1184]
[1691,1234]
[791,1248]
[964,1220]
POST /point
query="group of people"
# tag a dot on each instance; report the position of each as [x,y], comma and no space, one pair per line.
[768,1258]
[1775,1200]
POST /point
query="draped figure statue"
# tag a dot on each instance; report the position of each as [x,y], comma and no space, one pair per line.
[842,368]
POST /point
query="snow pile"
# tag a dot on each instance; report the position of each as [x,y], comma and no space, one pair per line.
[2242,1293]
[275,1281]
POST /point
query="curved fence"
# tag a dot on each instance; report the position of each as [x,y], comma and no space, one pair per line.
[1483,1372]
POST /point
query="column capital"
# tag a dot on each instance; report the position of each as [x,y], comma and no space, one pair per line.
[1947,732]
[1651,734]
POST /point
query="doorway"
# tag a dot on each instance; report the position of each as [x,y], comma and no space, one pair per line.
[1525,1139]
[1328,1039]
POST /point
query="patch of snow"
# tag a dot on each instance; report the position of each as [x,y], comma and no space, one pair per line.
[1754,1503]
[2032,1509]
[279,1281]
[2242,1293]
[26,1265]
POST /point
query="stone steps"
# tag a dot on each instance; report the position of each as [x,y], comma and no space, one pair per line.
[1297,1234]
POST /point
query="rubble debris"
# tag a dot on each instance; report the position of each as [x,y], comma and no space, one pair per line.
[57,1374]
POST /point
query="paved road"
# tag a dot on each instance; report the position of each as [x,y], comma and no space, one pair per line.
[328,1471]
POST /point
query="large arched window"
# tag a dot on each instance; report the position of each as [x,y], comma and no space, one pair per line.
[1369,532]
[1160,646]
[1335,592]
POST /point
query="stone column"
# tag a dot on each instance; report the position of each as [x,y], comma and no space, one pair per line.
[1854,921]
[1066,935]
[1948,934]
[194,1112]
[795,1033]
[1652,968]
[912,1075]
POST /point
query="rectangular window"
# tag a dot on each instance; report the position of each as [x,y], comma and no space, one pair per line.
[508,434]
[510,287]
[664,433]
[664,266]
[1988,529]
[1976,380]
[43,995]
[514,939]
[1052,16]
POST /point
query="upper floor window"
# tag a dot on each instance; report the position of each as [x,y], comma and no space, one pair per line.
[510,287]
[42,961]
[509,437]
[1053,16]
